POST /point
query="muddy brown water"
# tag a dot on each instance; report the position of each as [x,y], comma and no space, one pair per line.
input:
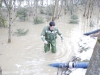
[25,54]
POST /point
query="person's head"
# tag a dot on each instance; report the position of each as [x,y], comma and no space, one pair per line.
[52,24]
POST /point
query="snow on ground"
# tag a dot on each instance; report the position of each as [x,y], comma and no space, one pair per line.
[86,43]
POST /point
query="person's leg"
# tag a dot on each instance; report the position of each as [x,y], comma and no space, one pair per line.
[53,46]
[46,47]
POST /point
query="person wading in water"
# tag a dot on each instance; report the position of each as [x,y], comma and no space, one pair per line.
[49,36]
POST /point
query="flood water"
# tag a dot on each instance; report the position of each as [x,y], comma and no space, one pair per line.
[25,54]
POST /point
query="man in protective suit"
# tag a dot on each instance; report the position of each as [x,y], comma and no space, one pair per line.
[49,35]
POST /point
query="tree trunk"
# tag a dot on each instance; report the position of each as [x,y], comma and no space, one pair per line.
[65,7]
[9,7]
[9,36]
[89,6]
[98,15]
[86,5]
[60,9]
[55,10]
[35,7]
[71,7]
[94,64]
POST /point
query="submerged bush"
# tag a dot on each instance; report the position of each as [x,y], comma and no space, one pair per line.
[2,21]
[22,14]
[38,20]
[50,10]
[42,11]
[74,19]
[21,32]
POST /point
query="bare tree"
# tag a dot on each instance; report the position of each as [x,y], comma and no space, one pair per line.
[89,9]
[85,5]
[55,10]
[65,6]
[9,8]
[61,6]
[35,7]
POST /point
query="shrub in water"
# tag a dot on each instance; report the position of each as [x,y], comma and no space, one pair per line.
[38,20]
[49,10]
[74,19]
[42,11]
[21,32]
[22,13]
[2,21]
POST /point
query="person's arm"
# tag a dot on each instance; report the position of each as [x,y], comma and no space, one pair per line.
[60,34]
[43,36]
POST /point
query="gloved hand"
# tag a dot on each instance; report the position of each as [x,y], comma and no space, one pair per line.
[45,42]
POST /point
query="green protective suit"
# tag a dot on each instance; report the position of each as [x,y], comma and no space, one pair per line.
[50,37]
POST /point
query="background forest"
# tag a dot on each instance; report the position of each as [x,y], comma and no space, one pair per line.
[39,11]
